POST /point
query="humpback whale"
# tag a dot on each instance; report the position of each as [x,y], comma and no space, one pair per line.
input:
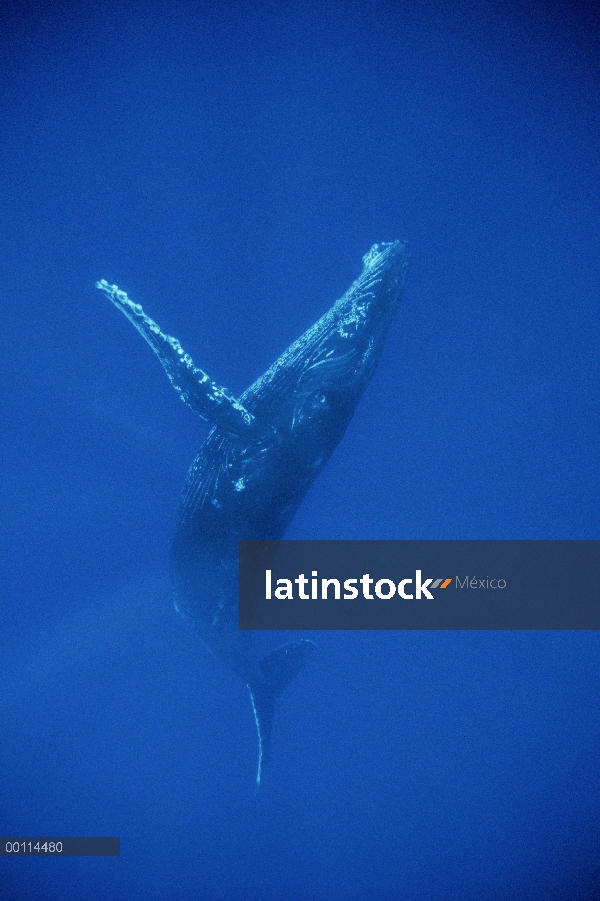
[261,456]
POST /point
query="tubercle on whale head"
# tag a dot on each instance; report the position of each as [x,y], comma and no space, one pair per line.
[382,249]
[379,286]
[365,311]
[387,260]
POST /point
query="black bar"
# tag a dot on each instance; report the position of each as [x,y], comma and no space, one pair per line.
[419,585]
[51,846]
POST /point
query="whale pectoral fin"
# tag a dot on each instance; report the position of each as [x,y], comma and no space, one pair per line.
[279,668]
[194,386]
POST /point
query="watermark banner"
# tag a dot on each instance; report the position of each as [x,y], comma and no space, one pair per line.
[419,585]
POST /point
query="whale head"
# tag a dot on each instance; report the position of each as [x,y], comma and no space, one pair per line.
[307,398]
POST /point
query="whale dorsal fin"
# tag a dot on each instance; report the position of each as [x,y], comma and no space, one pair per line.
[195,387]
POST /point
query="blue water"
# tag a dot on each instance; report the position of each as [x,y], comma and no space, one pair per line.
[228,165]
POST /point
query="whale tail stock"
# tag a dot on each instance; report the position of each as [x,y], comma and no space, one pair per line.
[278,669]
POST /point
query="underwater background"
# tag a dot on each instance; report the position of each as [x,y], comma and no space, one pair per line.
[228,165]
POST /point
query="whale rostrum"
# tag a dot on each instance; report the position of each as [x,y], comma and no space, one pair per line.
[260,458]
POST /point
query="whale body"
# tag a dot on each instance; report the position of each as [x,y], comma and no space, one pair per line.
[260,458]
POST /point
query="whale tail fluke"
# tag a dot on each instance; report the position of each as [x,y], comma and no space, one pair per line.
[278,668]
